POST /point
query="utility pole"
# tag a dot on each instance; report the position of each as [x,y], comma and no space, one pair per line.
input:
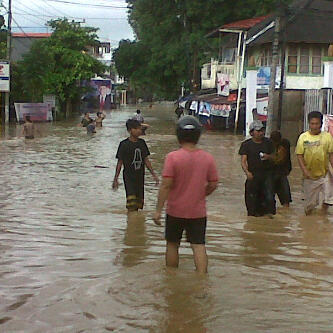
[275,56]
[9,54]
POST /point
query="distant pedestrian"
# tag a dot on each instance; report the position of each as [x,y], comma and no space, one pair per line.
[314,150]
[259,192]
[139,117]
[189,175]
[133,155]
[86,120]
[282,168]
[28,130]
[100,116]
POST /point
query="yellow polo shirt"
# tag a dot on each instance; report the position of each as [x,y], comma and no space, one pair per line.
[315,149]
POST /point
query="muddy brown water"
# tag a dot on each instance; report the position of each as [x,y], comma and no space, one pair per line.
[71,260]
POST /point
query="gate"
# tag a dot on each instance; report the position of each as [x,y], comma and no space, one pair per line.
[317,100]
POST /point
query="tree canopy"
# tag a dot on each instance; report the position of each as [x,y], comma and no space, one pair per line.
[170,43]
[58,64]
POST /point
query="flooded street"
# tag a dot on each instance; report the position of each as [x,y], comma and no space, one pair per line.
[71,262]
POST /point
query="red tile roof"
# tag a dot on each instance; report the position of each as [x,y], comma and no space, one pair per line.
[31,34]
[244,24]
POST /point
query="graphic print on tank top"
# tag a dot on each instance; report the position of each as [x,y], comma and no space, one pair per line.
[137,161]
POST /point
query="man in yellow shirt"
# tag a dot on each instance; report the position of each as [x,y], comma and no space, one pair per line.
[314,150]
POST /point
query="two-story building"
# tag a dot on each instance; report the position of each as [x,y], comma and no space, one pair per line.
[305,36]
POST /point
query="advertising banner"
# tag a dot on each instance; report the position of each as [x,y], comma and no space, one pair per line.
[50,99]
[37,111]
[264,77]
[4,76]
[223,84]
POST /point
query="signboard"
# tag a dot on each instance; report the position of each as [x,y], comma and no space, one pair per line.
[264,77]
[37,111]
[50,99]
[4,76]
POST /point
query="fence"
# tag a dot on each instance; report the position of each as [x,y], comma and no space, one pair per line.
[317,100]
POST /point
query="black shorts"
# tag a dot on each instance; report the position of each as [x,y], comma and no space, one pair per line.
[195,229]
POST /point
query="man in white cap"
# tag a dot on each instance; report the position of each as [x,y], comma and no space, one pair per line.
[259,193]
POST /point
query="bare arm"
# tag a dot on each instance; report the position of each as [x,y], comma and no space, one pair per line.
[211,187]
[248,174]
[331,158]
[163,194]
[150,168]
[115,183]
[301,163]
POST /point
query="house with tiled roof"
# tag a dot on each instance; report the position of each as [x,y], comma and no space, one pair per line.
[306,33]
[21,43]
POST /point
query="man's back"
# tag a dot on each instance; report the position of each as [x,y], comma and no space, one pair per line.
[191,171]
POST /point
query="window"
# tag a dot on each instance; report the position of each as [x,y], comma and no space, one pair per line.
[292,59]
[228,55]
[209,71]
[316,61]
[305,59]
[206,72]
[266,57]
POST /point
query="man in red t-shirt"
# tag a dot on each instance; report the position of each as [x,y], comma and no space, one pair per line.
[189,175]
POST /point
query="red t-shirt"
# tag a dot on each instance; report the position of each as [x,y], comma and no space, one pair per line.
[191,171]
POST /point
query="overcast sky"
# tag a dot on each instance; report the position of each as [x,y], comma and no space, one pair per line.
[110,16]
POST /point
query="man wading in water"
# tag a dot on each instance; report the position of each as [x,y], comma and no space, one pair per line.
[189,175]
[314,149]
[259,192]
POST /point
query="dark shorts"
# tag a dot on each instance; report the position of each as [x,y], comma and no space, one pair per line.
[195,229]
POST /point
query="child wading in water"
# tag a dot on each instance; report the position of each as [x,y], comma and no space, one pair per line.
[133,155]
[189,175]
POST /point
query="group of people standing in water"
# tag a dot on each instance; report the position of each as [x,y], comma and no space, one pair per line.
[91,124]
[190,174]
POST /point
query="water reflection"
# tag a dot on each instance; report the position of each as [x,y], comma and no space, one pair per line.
[135,239]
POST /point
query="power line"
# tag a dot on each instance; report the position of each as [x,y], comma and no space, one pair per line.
[54,8]
[31,9]
[86,4]
[77,18]
[24,11]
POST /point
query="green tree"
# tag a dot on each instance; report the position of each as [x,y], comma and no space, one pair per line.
[60,63]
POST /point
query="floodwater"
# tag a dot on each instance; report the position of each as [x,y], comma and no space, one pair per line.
[71,260]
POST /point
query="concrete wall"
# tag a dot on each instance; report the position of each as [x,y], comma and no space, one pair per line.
[292,114]
[304,82]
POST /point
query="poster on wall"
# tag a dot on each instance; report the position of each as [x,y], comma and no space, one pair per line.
[264,77]
[38,111]
[261,111]
[223,84]
[327,123]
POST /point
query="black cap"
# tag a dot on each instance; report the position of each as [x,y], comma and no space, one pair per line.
[188,123]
